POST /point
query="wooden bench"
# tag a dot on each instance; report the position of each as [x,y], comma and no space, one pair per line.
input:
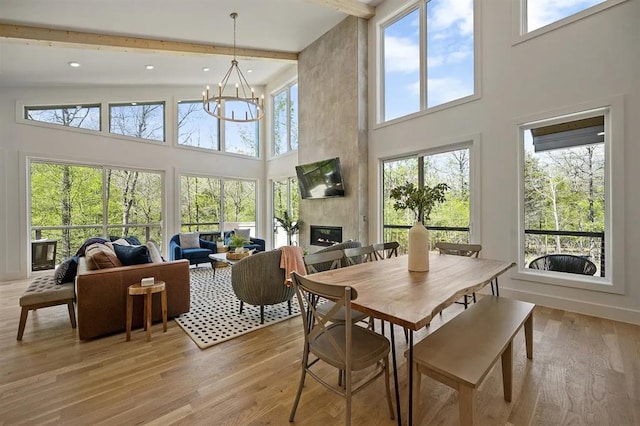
[44,292]
[462,352]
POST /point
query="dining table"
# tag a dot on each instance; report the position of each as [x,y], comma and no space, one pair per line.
[387,290]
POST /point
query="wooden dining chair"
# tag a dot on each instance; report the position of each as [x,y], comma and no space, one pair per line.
[341,345]
[386,250]
[359,255]
[461,249]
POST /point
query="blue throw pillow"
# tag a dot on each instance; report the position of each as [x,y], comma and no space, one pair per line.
[66,271]
[132,255]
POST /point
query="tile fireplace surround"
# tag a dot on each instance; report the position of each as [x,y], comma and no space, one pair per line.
[325,235]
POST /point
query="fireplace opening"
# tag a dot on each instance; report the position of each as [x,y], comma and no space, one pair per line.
[325,235]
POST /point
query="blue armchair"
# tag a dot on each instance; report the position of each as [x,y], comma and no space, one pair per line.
[256,243]
[193,255]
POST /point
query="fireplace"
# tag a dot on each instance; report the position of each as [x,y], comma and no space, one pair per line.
[325,235]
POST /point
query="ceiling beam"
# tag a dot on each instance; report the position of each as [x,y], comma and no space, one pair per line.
[350,7]
[79,39]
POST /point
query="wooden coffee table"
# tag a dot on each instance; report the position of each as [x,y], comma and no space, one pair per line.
[219,257]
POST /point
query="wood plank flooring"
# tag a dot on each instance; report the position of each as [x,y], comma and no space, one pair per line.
[585,371]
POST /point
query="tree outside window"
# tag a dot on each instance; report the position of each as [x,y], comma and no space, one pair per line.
[138,120]
[285,120]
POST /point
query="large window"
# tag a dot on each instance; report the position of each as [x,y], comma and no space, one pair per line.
[138,120]
[78,116]
[564,199]
[240,138]
[286,204]
[419,76]
[451,220]
[70,203]
[196,127]
[285,120]
[211,204]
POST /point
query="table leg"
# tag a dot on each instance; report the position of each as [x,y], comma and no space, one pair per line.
[164,309]
[129,315]
[395,374]
[410,415]
[147,309]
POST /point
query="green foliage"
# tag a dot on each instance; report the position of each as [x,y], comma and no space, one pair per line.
[237,240]
[419,200]
[290,226]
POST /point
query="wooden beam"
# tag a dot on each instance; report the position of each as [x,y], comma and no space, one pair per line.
[350,7]
[67,38]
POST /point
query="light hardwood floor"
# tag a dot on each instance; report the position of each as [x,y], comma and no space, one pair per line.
[585,370]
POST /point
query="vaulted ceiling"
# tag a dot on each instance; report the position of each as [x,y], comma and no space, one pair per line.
[113,41]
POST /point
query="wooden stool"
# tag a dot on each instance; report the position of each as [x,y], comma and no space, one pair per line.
[146,291]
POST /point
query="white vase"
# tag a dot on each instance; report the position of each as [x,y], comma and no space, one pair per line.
[418,248]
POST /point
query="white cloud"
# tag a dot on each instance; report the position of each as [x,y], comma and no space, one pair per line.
[441,90]
[414,87]
[401,55]
[448,58]
[444,14]
[544,12]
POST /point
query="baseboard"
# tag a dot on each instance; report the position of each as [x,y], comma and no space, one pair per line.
[593,309]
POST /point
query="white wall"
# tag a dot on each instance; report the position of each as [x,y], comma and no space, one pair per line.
[589,60]
[19,141]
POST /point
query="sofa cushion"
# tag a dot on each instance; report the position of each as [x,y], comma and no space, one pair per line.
[195,253]
[154,253]
[66,271]
[189,240]
[82,250]
[132,255]
[100,256]
[121,241]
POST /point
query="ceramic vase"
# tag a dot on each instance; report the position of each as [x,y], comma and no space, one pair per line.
[418,248]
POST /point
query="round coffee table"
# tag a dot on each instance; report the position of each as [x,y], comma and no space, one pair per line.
[139,290]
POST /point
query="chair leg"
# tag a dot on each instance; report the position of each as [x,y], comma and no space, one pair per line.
[241,306]
[388,387]
[23,321]
[289,305]
[261,314]
[300,385]
[474,298]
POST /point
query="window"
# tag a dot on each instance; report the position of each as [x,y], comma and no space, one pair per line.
[138,120]
[564,200]
[70,203]
[78,116]
[286,198]
[213,204]
[448,55]
[285,120]
[451,220]
[540,13]
[240,138]
[200,203]
[196,127]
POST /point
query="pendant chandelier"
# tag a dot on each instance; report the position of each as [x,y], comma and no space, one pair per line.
[248,106]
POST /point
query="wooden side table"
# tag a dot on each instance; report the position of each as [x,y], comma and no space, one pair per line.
[146,291]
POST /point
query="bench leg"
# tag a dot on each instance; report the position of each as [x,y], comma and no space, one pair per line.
[147,314]
[507,371]
[528,335]
[466,405]
[163,299]
[417,382]
[129,316]
[23,321]
[72,314]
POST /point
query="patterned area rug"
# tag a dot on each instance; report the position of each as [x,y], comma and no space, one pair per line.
[214,316]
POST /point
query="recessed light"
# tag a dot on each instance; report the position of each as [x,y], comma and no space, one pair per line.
[249,70]
[149,67]
[74,64]
[134,103]
[205,69]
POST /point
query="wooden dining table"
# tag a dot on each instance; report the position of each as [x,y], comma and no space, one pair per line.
[389,291]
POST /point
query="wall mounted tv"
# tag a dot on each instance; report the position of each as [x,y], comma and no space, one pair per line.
[322,179]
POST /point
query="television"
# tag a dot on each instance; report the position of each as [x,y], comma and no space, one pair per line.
[322,179]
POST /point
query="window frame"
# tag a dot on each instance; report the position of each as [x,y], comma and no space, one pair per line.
[424,110]
[519,19]
[292,185]
[470,142]
[286,89]
[27,108]
[613,282]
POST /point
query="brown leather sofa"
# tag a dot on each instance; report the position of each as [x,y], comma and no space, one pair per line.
[101,295]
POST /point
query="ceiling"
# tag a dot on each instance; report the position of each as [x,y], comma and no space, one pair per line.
[273,25]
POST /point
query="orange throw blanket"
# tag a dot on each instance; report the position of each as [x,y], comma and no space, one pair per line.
[292,261]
